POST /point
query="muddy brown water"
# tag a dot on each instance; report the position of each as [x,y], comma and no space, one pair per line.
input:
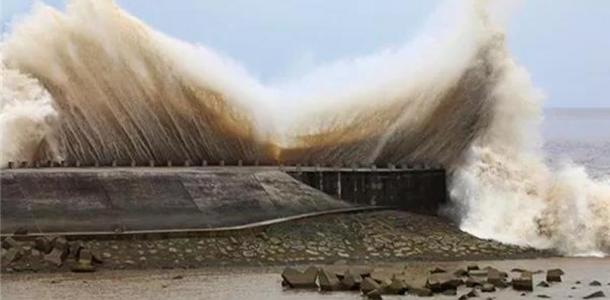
[264,283]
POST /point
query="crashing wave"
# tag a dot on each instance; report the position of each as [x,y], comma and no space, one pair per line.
[94,84]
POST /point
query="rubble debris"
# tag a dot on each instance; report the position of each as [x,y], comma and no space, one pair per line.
[598,294]
[374,295]
[473,282]
[460,273]
[496,278]
[9,243]
[523,283]
[43,244]
[420,292]
[12,255]
[437,270]
[350,281]
[554,275]
[84,261]
[543,284]
[472,267]
[478,273]
[488,288]
[328,281]
[595,283]
[472,294]
[297,279]
[74,248]
[368,284]
[396,287]
[56,256]
[449,292]
[442,281]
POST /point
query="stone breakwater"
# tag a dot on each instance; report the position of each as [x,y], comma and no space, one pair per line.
[359,238]
[470,281]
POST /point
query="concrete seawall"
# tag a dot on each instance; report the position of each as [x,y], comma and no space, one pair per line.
[415,190]
[48,200]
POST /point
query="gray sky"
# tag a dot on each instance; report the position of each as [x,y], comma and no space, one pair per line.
[565,44]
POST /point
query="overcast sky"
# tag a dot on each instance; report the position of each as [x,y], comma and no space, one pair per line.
[565,44]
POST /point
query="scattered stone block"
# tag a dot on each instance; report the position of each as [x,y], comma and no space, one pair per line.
[437,270]
[523,283]
[477,273]
[9,243]
[56,256]
[595,283]
[488,288]
[96,257]
[554,275]
[442,281]
[35,253]
[472,267]
[496,278]
[396,287]
[381,275]
[460,273]
[300,280]
[368,284]
[543,296]
[420,292]
[473,282]
[328,281]
[472,294]
[85,256]
[12,255]
[450,292]
[374,295]
[43,244]
[598,294]
[61,244]
[543,284]
[350,281]
[82,267]
[75,249]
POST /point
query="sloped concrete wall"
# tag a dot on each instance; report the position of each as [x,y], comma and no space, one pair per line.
[128,199]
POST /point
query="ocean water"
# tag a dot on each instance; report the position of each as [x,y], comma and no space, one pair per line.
[579,136]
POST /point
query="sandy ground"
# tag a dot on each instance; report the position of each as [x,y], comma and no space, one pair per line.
[264,283]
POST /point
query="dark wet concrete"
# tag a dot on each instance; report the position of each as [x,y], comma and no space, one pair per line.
[132,199]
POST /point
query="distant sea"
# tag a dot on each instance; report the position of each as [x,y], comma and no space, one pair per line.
[580,135]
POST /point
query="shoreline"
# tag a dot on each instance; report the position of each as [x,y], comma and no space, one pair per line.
[265,282]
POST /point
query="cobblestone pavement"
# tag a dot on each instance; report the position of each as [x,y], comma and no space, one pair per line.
[372,237]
